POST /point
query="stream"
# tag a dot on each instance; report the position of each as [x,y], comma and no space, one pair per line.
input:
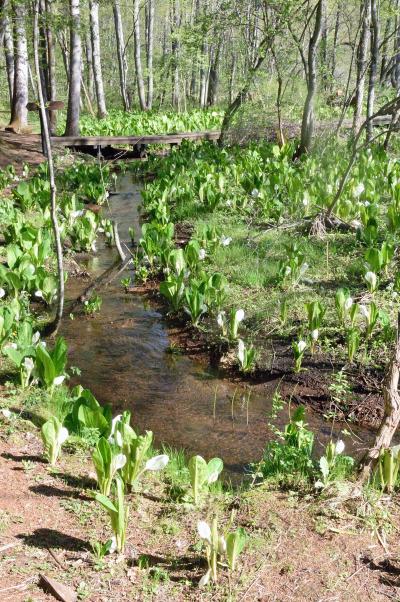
[123,354]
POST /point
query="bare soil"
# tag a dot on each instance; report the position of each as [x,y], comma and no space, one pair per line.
[299,548]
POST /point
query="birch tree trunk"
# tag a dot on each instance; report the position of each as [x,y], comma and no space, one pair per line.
[175,20]
[214,75]
[308,121]
[98,75]
[384,60]
[9,56]
[51,62]
[75,67]
[19,113]
[373,73]
[362,64]
[122,62]
[149,52]
[138,55]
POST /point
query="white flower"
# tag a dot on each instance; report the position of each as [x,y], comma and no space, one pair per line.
[204,531]
[315,334]
[255,193]
[28,364]
[118,439]
[113,546]
[359,189]
[205,578]
[2,293]
[329,189]
[5,413]
[63,436]
[59,380]
[239,315]
[365,311]
[39,294]
[301,345]
[228,203]
[306,199]
[118,462]
[36,337]
[101,230]
[241,351]
[114,422]
[339,447]
[94,248]
[225,241]
[348,303]
[355,223]
[372,279]
[157,463]
[221,319]
[202,254]
[288,270]
[78,213]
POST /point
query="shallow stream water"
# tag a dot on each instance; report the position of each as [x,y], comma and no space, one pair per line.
[123,354]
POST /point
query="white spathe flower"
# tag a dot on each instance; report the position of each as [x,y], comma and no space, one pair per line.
[114,422]
[59,380]
[359,189]
[63,436]
[355,223]
[39,294]
[241,351]
[28,364]
[202,254]
[205,578]
[221,544]
[365,311]
[118,462]
[94,248]
[239,316]
[36,337]
[255,193]
[288,270]
[204,531]
[77,213]
[2,293]
[228,203]
[157,463]
[5,413]
[113,546]
[306,199]
[371,278]
[301,345]
[221,319]
[339,447]
[315,334]
[348,303]
[225,241]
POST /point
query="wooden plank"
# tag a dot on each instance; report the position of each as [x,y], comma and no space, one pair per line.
[133,140]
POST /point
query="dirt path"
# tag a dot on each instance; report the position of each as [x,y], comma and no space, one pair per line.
[17,149]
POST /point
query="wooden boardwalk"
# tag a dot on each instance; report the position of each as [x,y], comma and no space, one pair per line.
[135,141]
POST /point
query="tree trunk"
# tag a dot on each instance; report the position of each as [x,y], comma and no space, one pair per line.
[396,69]
[75,66]
[89,67]
[138,55]
[51,63]
[175,22]
[53,210]
[214,76]
[361,64]
[19,113]
[203,76]
[307,126]
[149,53]
[373,72]
[232,75]
[391,418]
[384,61]
[9,56]
[122,63]
[98,75]
[334,47]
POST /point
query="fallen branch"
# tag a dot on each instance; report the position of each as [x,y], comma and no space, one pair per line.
[101,281]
